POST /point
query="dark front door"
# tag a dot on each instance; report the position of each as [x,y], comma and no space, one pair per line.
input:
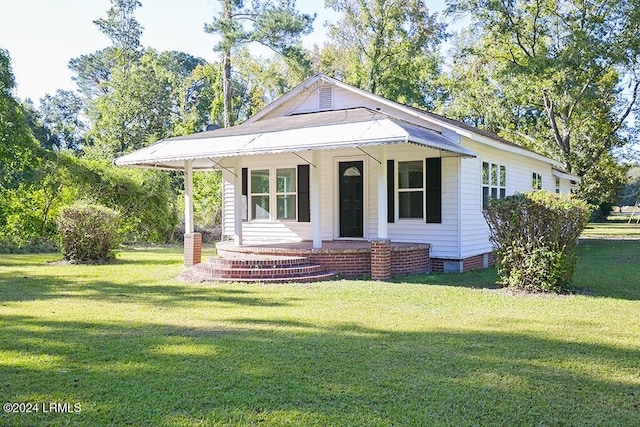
[351,200]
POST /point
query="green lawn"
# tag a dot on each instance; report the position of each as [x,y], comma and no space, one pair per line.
[613,230]
[133,346]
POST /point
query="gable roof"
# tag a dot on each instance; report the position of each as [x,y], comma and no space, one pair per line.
[456,126]
[358,127]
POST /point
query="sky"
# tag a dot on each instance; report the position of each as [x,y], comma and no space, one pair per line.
[43,35]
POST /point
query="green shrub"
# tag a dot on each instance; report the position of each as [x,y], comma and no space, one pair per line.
[144,198]
[535,236]
[88,232]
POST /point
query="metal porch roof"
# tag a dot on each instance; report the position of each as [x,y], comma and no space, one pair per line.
[358,127]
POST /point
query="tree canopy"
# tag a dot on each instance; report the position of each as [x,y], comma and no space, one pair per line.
[274,24]
[558,76]
[387,47]
[561,77]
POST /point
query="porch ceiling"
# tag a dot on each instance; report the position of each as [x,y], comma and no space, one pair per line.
[358,127]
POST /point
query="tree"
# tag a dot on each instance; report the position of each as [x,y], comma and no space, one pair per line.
[61,114]
[264,79]
[47,139]
[141,104]
[121,26]
[567,72]
[387,47]
[202,103]
[93,72]
[17,146]
[276,25]
[132,93]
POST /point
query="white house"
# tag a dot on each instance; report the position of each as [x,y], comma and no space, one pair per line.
[328,164]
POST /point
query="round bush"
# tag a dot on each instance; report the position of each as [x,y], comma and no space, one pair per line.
[535,235]
[88,232]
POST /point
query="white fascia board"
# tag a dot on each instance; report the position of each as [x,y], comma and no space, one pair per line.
[512,149]
[429,119]
[565,175]
[407,110]
[284,98]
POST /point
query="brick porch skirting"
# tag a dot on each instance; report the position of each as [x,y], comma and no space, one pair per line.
[348,259]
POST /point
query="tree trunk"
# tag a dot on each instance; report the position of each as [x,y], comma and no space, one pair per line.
[226,76]
[226,88]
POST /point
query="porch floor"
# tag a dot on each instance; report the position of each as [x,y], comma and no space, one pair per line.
[307,246]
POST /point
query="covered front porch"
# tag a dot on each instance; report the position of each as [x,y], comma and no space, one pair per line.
[346,192]
[301,262]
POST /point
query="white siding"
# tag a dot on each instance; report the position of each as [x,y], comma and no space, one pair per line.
[565,186]
[308,101]
[443,237]
[261,230]
[474,230]
[447,241]
[228,214]
[473,227]
[463,231]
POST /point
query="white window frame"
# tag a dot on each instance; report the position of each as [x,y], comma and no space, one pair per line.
[399,190]
[500,186]
[286,193]
[272,194]
[536,180]
[252,194]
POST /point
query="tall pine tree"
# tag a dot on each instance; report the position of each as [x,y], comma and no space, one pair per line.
[276,25]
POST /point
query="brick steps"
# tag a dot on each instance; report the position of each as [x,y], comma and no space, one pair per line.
[257,268]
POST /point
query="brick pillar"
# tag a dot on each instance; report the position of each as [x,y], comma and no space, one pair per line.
[380,259]
[192,249]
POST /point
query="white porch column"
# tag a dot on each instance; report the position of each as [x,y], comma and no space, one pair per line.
[382,193]
[316,194]
[188,196]
[237,203]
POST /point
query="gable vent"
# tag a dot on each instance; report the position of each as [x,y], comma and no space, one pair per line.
[325,97]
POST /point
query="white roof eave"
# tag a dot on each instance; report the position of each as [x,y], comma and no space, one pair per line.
[565,175]
[172,153]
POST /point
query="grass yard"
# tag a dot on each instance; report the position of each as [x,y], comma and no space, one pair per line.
[131,345]
[612,230]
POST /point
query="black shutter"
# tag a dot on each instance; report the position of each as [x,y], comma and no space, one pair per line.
[434,190]
[391,181]
[245,189]
[304,212]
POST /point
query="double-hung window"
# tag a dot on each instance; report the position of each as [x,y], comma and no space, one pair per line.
[536,181]
[411,189]
[263,193]
[260,189]
[286,193]
[494,182]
